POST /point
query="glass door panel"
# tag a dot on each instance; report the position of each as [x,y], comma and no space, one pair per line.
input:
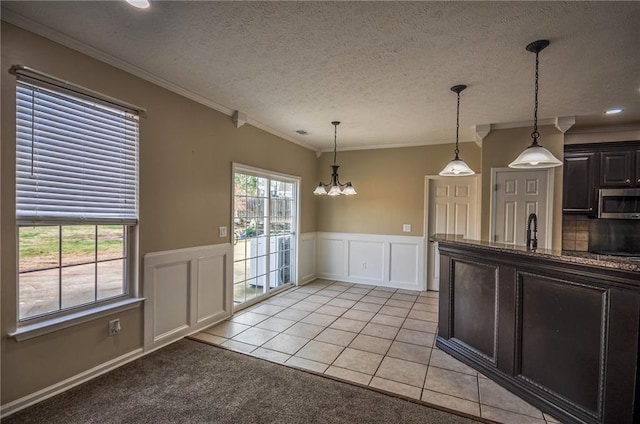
[281,231]
[263,236]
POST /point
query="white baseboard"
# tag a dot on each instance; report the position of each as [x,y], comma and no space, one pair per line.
[64,385]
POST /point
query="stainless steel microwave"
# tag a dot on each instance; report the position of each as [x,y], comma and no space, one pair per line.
[619,203]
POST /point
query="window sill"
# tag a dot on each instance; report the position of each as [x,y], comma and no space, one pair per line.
[30,331]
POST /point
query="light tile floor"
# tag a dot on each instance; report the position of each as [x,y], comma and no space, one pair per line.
[375,336]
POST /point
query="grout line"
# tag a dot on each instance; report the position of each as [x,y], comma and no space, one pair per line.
[385,355]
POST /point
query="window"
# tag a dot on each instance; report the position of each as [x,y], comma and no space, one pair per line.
[76,196]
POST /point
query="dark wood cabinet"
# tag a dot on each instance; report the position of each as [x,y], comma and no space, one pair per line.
[637,176]
[616,169]
[580,183]
[561,335]
[589,167]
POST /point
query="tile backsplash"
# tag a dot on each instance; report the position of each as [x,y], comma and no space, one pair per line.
[575,233]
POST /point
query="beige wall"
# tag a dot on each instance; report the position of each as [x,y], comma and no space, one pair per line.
[390,186]
[186,151]
[500,148]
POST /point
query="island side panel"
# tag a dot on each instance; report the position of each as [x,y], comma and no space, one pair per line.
[474,290]
[622,390]
[567,333]
[445,310]
[562,334]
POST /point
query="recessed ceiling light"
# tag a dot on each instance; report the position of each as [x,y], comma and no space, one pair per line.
[140,4]
[614,111]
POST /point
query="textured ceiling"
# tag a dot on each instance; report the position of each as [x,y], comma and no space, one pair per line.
[383,68]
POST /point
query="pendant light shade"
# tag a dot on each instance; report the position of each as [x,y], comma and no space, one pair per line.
[457,167]
[536,156]
[335,187]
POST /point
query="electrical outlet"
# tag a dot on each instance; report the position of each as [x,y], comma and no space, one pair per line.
[114,327]
[406,228]
[222,232]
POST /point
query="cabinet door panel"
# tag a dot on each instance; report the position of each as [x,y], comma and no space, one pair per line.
[615,169]
[637,176]
[579,183]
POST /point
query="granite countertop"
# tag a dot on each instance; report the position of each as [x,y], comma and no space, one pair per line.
[605,261]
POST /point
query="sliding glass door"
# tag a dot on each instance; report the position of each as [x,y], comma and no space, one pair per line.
[265,221]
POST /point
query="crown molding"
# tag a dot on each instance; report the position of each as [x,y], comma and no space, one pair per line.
[608,129]
[393,146]
[60,38]
[561,123]
[521,124]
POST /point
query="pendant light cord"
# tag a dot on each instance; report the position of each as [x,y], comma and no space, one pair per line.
[457,125]
[335,142]
[535,133]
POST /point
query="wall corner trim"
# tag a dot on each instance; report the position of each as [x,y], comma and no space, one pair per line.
[564,123]
[481,132]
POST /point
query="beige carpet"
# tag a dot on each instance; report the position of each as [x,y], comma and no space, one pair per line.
[191,382]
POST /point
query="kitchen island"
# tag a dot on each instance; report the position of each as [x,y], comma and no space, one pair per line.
[559,330]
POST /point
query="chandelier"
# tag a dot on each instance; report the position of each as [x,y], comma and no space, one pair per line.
[335,187]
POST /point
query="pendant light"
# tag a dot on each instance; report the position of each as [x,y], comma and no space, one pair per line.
[457,167]
[335,187]
[536,156]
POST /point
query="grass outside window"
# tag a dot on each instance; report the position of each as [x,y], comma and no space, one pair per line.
[62,267]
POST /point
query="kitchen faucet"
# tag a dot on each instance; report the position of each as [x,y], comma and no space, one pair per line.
[532,243]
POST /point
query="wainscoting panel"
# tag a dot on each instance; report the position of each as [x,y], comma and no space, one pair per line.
[331,257]
[391,261]
[366,260]
[171,298]
[402,269]
[307,258]
[186,290]
[210,286]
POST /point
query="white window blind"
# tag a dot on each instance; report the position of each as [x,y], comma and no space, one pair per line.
[77,159]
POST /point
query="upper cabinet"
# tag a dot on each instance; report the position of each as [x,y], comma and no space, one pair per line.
[589,167]
[580,182]
[637,176]
[616,169]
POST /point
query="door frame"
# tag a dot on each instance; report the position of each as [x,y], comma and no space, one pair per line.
[265,173]
[550,188]
[427,234]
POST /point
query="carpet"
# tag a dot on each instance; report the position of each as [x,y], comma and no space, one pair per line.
[191,382]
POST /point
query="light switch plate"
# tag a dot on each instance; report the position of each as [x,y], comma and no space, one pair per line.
[406,228]
[222,231]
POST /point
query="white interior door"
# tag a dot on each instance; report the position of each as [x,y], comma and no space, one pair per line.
[516,194]
[452,208]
